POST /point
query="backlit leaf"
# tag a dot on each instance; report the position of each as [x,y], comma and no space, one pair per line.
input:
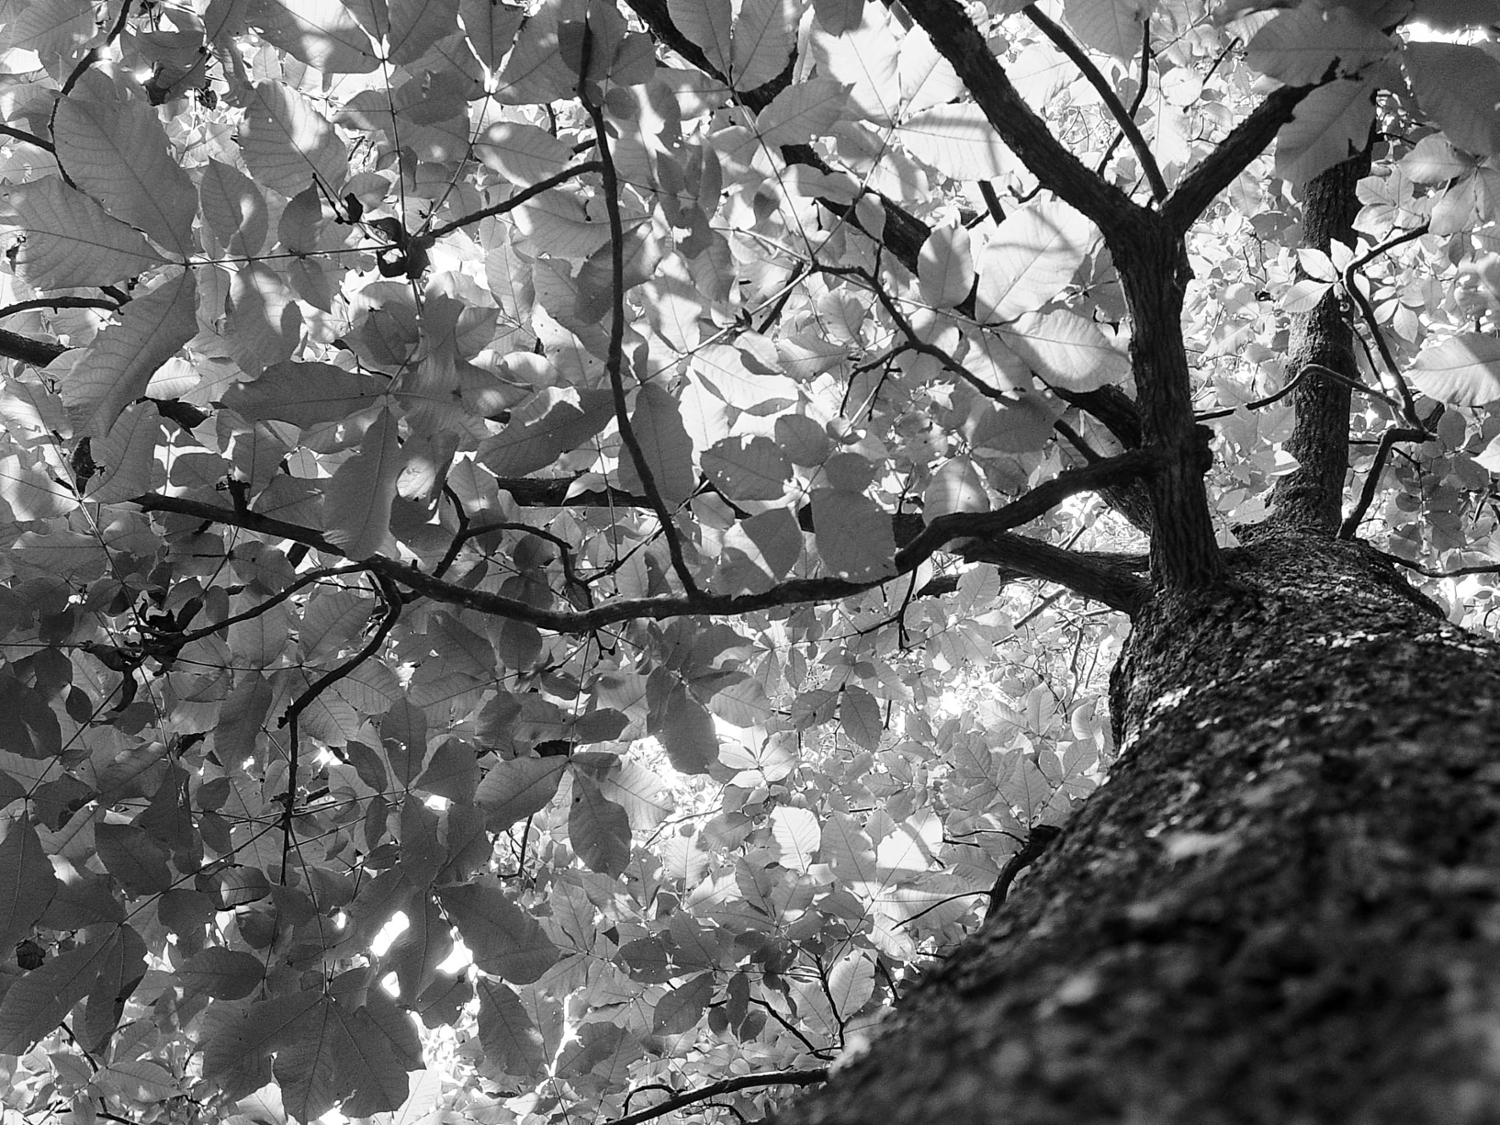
[1463,370]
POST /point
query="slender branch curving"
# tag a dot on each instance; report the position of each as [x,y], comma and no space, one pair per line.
[980,530]
[615,360]
[1123,117]
[725,1086]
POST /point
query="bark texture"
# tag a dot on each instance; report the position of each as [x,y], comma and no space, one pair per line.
[1284,906]
[1312,495]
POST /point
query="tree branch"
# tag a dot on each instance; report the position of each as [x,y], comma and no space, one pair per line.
[1123,117]
[957,39]
[903,233]
[39,353]
[1312,494]
[724,1086]
[1216,171]
[28,138]
[427,238]
[980,526]
[615,359]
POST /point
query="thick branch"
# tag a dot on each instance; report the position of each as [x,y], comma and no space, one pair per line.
[1118,581]
[13,345]
[1311,496]
[957,39]
[1123,117]
[1216,171]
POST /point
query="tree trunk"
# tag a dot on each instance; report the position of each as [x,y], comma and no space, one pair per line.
[1284,906]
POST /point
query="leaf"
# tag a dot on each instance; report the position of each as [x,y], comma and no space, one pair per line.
[646,799]
[134,858]
[664,441]
[854,537]
[1463,370]
[38,1001]
[802,111]
[1434,160]
[99,381]
[686,732]
[139,1080]
[69,240]
[1111,26]
[234,208]
[224,974]
[357,501]
[504,939]
[764,35]
[1303,296]
[288,145]
[958,141]
[515,789]
[322,33]
[1459,86]
[945,267]
[679,1011]
[1064,348]
[1329,125]
[1029,258]
[548,427]
[31,493]
[239,1041]
[126,462]
[416,25]
[523,154]
[507,1033]
[707,25]
[1300,45]
[304,394]
[27,881]
[859,716]
[599,830]
[838,16]
[116,150]
[747,468]
[797,834]
[955,487]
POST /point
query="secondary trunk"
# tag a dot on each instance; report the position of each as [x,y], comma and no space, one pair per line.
[1284,907]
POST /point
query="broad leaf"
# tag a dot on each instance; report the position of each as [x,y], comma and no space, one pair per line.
[1463,370]
[27,882]
[69,240]
[505,940]
[854,537]
[104,378]
[1029,258]
[116,150]
[515,789]
[1459,86]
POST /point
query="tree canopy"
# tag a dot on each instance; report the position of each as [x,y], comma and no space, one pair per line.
[552,557]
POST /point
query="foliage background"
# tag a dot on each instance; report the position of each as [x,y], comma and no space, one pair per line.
[475,635]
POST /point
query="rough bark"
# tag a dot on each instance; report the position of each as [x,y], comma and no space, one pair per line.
[1283,907]
[1312,495]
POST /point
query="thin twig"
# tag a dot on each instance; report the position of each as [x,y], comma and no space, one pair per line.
[428,237]
[1140,94]
[1367,313]
[800,1077]
[58,303]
